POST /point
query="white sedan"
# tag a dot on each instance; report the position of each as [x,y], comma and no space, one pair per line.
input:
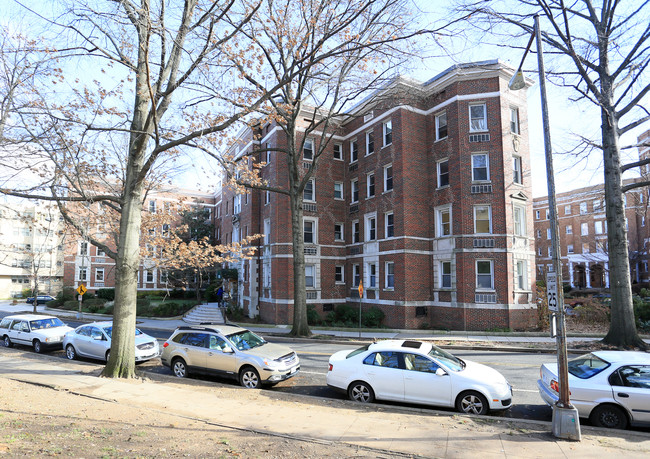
[41,332]
[611,388]
[418,372]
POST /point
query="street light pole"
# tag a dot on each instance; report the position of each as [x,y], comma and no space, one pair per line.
[566,422]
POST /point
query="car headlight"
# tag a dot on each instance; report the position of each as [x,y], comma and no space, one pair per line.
[272,363]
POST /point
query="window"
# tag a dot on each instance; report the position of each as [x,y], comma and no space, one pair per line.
[583,208]
[441,126]
[355,231]
[308,193]
[310,278]
[548,233]
[268,153]
[309,232]
[519,215]
[338,151]
[480,169]
[354,191]
[598,226]
[537,215]
[100,252]
[371,227]
[642,221]
[390,275]
[388,132]
[308,150]
[99,275]
[444,221]
[388,178]
[521,274]
[585,247]
[539,234]
[354,151]
[514,120]
[370,143]
[338,274]
[338,231]
[83,248]
[165,230]
[550,252]
[267,199]
[390,226]
[149,276]
[370,182]
[569,248]
[82,274]
[568,229]
[356,275]
[372,275]
[445,274]
[152,206]
[267,231]
[443,173]
[484,275]
[539,251]
[584,229]
[516,170]
[598,205]
[482,220]
[567,209]
[477,118]
[236,204]
[338,190]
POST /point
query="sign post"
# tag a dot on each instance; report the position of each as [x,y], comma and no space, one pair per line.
[360,296]
[81,290]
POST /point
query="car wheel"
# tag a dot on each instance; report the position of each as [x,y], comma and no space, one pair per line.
[37,346]
[108,355]
[70,352]
[249,378]
[179,368]
[472,403]
[610,416]
[361,392]
[7,342]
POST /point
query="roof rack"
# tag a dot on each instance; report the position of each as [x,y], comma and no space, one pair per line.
[203,326]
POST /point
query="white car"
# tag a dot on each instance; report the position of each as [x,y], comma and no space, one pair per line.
[418,372]
[41,332]
[94,341]
[611,388]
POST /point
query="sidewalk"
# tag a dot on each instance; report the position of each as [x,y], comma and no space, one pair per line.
[459,337]
[386,432]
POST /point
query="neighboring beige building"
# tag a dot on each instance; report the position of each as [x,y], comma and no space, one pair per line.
[31,248]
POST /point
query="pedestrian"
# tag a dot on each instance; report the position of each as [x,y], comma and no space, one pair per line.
[219,295]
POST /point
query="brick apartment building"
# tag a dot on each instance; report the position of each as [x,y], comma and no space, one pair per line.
[583,232]
[86,264]
[427,201]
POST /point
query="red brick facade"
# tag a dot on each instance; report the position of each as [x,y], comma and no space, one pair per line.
[435,282]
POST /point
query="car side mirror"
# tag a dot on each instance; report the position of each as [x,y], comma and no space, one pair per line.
[440,372]
[227,350]
[98,337]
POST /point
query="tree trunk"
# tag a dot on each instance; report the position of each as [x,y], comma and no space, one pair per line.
[300,325]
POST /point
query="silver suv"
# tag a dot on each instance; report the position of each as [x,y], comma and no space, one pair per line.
[230,351]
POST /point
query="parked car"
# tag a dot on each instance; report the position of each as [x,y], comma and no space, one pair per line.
[39,331]
[40,299]
[418,372]
[611,388]
[229,351]
[94,341]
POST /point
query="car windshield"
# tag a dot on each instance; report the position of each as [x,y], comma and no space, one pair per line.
[245,340]
[450,361]
[358,351]
[46,323]
[109,331]
[586,366]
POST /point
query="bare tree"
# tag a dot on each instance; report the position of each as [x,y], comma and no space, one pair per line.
[601,53]
[159,77]
[329,53]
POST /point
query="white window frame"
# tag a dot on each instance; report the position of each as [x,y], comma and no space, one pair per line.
[514,120]
[82,274]
[387,177]
[354,146]
[517,170]
[583,208]
[486,167]
[267,198]
[337,151]
[152,206]
[98,277]
[537,215]
[519,218]
[389,275]
[356,235]
[314,227]
[440,227]
[584,229]
[441,174]
[478,124]
[370,185]
[354,189]
[268,153]
[567,209]
[370,226]
[521,278]
[490,263]
[439,126]
[341,231]
[311,198]
[149,274]
[100,252]
[308,146]
[585,247]
[372,270]
[341,191]
[598,225]
[444,275]
[548,233]
[489,212]
[84,248]
[356,275]
[569,248]
[387,130]
[267,231]
[370,142]
[387,216]
[568,229]
[236,204]
[339,271]
[312,268]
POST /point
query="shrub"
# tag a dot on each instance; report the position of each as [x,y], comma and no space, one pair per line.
[641,312]
[143,307]
[107,294]
[234,312]
[343,315]
[230,274]
[313,318]
[27,292]
[211,292]
[169,309]
[71,305]
[92,305]
[177,294]
[107,309]
[644,293]
[591,311]
[373,317]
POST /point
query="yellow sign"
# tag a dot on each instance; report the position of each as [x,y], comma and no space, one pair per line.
[81,289]
[360,289]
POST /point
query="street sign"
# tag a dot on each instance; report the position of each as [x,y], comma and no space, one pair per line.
[360,289]
[81,289]
[551,291]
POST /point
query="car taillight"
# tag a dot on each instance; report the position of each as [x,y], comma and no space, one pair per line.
[166,344]
[555,386]
[330,368]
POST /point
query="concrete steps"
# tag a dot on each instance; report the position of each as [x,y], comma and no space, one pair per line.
[204,313]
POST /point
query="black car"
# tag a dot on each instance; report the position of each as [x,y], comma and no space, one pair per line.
[41,299]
